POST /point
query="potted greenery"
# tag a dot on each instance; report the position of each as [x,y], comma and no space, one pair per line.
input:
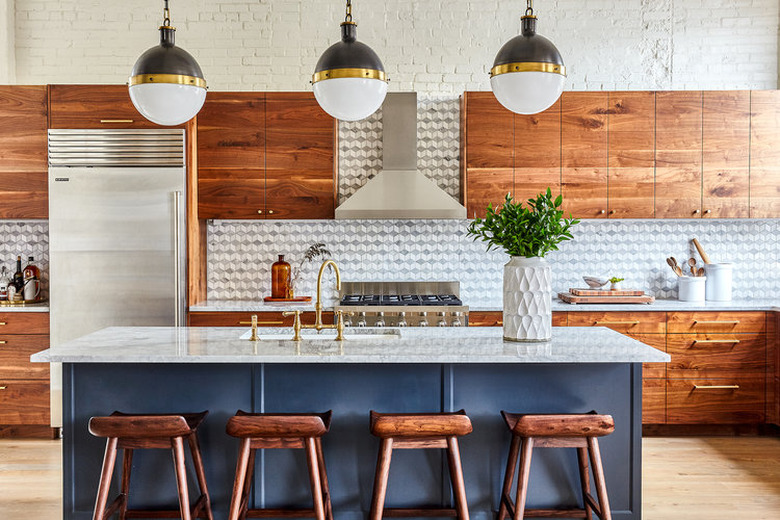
[526,233]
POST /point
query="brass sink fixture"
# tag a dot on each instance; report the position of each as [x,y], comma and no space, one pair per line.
[338,319]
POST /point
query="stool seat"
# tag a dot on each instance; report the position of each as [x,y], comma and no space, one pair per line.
[247,425]
[420,425]
[559,425]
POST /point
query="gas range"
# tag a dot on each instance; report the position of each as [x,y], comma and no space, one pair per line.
[402,304]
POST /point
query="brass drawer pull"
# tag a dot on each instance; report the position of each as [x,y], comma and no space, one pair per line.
[715,341]
[3,342]
[262,322]
[3,387]
[116,121]
[3,323]
[716,322]
[618,323]
[716,387]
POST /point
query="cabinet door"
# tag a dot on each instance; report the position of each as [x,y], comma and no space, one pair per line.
[678,149]
[765,154]
[631,154]
[94,106]
[584,153]
[231,193]
[300,175]
[23,161]
[538,153]
[488,152]
[725,154]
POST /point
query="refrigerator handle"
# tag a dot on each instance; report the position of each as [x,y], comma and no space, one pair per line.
[177,258]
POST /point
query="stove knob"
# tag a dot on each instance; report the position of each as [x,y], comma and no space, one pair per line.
[442,320]
[456,322]
[380,320]
[423,320]
[361,319]
[402,319]
[346,319]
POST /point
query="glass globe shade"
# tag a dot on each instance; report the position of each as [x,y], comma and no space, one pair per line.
[527,92]
[350,99]
[167,104]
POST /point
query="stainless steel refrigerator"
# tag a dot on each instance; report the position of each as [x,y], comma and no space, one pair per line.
[116,233]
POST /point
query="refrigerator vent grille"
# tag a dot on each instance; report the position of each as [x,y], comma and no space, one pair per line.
[164,147]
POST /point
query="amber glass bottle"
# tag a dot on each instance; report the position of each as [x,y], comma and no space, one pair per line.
[280,278]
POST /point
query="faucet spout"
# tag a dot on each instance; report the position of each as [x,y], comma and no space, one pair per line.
[318,306]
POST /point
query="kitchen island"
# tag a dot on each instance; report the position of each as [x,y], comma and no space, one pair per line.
[164,370]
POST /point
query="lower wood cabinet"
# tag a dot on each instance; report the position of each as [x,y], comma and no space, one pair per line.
[653,401]
[734,400]
[496,319]
[244,319]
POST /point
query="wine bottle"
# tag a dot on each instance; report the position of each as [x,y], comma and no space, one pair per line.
[280,278]
[19,276]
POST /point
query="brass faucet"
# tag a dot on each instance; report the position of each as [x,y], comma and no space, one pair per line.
[338,321]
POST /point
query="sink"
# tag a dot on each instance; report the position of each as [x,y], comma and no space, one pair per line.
[364,335]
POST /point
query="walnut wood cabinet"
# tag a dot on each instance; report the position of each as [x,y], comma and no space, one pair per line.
[496,319]
[266,155]
[244,319]
[24,176]
[765,154]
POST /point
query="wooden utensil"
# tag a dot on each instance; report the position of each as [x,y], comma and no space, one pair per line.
[704,257]
[700,271]
[692,263]
[674,265]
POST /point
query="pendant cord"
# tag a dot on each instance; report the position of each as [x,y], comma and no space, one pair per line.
[529,11]
[348,17]
[166,15]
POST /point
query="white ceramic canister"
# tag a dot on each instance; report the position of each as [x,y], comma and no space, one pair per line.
[691,288]
[718,282]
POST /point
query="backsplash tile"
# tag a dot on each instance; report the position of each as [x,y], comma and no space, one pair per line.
[26,238]
[240,254]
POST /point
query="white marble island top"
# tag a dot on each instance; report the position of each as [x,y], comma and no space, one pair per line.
[408,345]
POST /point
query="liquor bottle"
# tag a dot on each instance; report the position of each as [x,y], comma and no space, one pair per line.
[32,281]
[19,276]
[280,279]
[3,284]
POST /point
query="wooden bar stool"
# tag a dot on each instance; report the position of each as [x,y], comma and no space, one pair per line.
[285,431]
[409,431]
[132,432]
[556,431]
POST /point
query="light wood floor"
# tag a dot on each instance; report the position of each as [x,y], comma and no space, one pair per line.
[714,478]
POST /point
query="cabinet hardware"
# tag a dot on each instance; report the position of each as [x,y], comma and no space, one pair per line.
[716,322]
[716,387]
[617,323]
[612,212]
[3,342]
[116,120]
[3,387]
[262,323]
[696,211]
[707,211]
[260,211]
[602,211]
[499,322]
[3,323]
[715,341]
[270,212]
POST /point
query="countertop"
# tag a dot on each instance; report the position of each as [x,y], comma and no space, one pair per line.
[408,345]
[30,307]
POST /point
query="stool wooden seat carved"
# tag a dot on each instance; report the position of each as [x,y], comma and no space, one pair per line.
[280,431]
[556,431]
[410,431]
[131,432]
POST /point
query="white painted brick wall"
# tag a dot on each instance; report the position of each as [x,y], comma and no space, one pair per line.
[442,46]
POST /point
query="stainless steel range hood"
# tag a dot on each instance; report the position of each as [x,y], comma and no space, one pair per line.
[399,191]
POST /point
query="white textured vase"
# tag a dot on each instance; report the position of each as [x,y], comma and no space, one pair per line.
[527,299]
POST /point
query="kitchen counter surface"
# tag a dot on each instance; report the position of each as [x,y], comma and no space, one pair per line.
[33,307]
[408,345]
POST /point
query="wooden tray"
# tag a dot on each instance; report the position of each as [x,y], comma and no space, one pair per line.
[604,292]
[571,298]
[271,299]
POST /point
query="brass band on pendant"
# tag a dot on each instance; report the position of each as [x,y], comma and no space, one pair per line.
[528,66]
[349,73]
[176,79]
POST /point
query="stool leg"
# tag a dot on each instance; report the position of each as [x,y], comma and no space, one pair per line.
[522,478]
[380,479]
[109,459]
[456,477]
[509,476]
[314,477]
[598,476]
[324,480]
[181,478]
[200,473]
[127,466]
[238,481]
[250,470]
[582,458]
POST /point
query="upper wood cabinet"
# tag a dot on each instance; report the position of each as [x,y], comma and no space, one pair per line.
[631,154]
[538,153]
[23,152]
[765,154]
[584,153]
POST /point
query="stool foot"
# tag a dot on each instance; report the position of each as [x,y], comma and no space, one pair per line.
[380,479]
[241,483]
[598,477]
[456,477]
[181,478]
[109,459]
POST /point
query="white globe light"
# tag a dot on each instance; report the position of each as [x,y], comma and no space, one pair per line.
[527,92]
[167,104]
[350,99]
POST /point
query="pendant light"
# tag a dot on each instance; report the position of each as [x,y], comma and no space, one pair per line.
[349,80]
[166,84]
[528,74]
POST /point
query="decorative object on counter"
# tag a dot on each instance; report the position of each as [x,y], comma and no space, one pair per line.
[692,265]
[606,297]
[615,283]
[528,73]
[4,283]
[605,292]
[700,249]
[526,234]
[718,286]
[32,281]
[349,79]
[280,279]
[594,282]
[315,251]
[166,84]
[672,261]
[691,288]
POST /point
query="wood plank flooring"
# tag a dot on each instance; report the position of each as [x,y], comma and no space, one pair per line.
[712,478]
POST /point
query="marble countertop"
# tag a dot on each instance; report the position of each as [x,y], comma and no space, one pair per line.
[408,345]
[251,306]
[31,307]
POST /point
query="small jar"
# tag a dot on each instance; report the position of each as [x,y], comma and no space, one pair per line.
[280,279]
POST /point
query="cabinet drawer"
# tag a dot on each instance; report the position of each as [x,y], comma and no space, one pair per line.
[15,352]
[716,322]
[496,319]
[625,322]
[653,401]
[715,401]
[244,319]
[24,323]
[24,402]
[652,370]
[716,355]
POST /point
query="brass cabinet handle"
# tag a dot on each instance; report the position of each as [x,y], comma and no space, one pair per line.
[715,341]
[116,121]
[499,322]
[260,211]
[3,342]
[270,212]
[3,387]
[716,322]
[716,387]
[618,323]
[696,211]
[3,323]
[708,211]
[262,323]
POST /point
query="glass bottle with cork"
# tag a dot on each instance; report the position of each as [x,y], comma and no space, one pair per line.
[280,279]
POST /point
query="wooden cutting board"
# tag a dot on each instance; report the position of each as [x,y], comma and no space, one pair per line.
[571,298]
[604,292]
